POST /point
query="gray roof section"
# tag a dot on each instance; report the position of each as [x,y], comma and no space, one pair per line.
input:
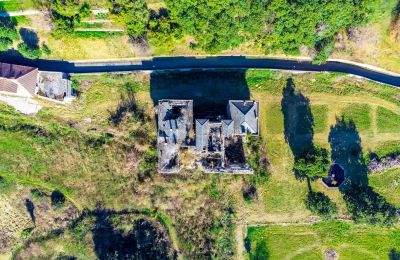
[54,85]
[202,129]
[227,128]
[244,113]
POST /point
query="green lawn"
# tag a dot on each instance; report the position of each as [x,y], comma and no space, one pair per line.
[349,241]
[388,121]
[360,114]
[387,184]
[320,114]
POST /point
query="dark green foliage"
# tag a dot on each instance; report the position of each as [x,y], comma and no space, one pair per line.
[132,14]
[367,206]
[257,158]
[218,25]
[66,14]
[148,166]
[29,51]
[313,23]
[45,49]
[320,204]
[163,31]
[8,34]
[57,198]
[37,194]
[313,164]
[260,252]
[5,44]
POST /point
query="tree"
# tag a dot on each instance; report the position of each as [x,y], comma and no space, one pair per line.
[217,25]
[29,51]
[8,34]
[313,164]
[163,32]
[132,14]
[67,13]
[320,204]
[293,24]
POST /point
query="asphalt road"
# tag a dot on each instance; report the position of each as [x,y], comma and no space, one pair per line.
[218,62]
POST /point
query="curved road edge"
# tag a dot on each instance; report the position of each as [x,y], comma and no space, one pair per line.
[206,62]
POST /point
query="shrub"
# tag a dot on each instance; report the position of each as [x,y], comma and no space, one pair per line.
[320,204]
[57,198]
[5,43]
[312,164]
[29,51]
[132,14]
[45,49]
[37,194]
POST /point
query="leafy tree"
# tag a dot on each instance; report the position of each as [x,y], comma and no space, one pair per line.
[320,204]
[132,14]
[365,205]
[218,24]
[29,51]
[8,34]
[5,43]
[292,24]
[163,32]
[67,13]
[313,164]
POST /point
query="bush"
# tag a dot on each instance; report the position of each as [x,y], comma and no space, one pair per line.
[312,164]
[29,51]
[132,14]
[37,194]
[320,204]
[5,43]
[66,14]
[57,198]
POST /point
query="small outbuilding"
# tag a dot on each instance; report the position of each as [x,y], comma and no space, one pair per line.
[335,176]
[55,85]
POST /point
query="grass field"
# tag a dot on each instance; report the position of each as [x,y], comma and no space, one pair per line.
[349,241]
[78,149]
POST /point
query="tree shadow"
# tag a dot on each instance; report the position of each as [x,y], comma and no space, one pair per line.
[394,254]
[210,90]
[143,241]
[29,37]
[363,203]
[127,104]
[30,207]
[346,151]
[396,13]
[298,120]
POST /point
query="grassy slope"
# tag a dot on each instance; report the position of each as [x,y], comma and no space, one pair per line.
[310,242]
[88,175]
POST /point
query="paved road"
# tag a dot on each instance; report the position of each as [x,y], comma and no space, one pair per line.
[218,62]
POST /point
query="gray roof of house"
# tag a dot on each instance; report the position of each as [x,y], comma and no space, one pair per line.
[227,127]
[202,128]
[244,113]
[174,130]
[54,84]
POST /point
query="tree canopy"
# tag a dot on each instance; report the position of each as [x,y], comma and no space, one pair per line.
[132,14]
[217,25]
[66,13]
[310,23]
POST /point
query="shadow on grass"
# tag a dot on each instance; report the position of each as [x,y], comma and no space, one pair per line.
[29,37]
[209,90]
[127,104]
[363,203]
[143,241]
[298,120]
[394,254]
[30,207]
[346,150]
[396,13]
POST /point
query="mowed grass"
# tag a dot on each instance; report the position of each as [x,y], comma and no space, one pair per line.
[360,114]
[388,121]
[349,241]
[387,184]
[320,114]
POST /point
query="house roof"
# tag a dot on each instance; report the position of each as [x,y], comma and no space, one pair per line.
[227,127]
[12,71]
[16,75]
[244,113]
[202,127]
